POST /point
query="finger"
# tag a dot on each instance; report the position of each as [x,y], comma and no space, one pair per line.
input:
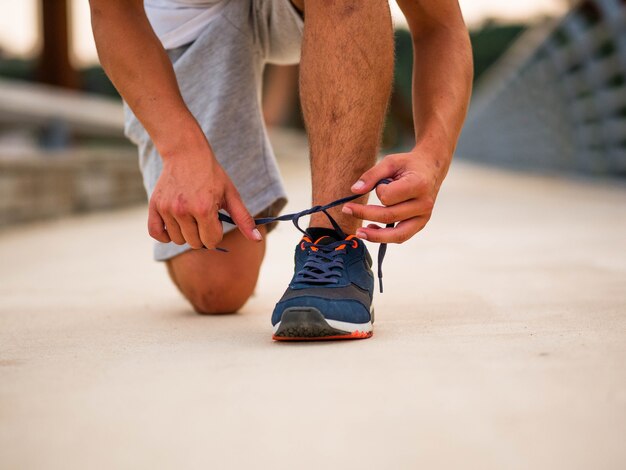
[397,212]
[383,169]
[210,229]
[173,229]
[156,226]
[241,216]
[398,234]
[402,189]
[189,230]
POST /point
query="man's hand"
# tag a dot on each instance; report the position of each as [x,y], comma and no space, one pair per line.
[408,199]
[184,204]
[192,186]
[442,83]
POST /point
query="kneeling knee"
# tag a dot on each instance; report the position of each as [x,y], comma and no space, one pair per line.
[217,301]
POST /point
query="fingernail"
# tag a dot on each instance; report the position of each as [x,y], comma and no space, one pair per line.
[346,210]
[361,234]
[257,235]
[358,185]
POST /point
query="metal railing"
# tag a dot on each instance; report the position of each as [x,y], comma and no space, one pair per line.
[33,105]
[557,99]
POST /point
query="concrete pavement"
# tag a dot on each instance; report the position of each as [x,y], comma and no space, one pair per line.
[500,342]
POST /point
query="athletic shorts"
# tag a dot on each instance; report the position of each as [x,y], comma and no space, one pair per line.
[219,75]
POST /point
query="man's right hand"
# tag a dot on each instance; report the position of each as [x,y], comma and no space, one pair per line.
[191,189]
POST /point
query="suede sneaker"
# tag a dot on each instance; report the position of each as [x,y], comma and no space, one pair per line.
[330,294]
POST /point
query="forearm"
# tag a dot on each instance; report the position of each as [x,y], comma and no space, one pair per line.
[442,83]
[135,61]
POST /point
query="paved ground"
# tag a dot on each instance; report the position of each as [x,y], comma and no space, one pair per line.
[500,343]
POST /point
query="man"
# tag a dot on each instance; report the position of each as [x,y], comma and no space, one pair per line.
[190,74]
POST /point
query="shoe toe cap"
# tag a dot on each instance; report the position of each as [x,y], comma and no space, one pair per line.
[345,310]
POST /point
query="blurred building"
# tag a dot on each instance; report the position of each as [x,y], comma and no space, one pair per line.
[557,99]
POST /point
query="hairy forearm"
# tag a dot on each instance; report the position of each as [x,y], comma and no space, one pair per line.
[135,61]
[442,83]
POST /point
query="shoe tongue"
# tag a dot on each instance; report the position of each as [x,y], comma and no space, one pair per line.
[323,235]
[325,240]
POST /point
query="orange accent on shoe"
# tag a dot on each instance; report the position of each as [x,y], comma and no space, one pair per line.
[355,243]
[354,239]
[304,239]
[353,335]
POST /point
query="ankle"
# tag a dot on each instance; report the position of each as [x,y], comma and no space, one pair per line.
[348,224]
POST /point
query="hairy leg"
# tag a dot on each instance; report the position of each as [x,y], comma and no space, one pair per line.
[346,73]
[214,282]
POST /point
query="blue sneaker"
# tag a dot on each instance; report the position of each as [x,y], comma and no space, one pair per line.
[330,294]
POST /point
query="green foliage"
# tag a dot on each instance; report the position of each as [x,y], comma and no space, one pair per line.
[17,69]
[404,62]
[94,80]
[490,42]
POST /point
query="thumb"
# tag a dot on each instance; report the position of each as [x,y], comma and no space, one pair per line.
[156,226]
[367,181]
[240,215]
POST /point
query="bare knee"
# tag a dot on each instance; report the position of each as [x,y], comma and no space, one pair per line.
[211,301]
[214,296]
[215,282]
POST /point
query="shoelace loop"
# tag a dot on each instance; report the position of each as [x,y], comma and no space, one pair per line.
[295,217]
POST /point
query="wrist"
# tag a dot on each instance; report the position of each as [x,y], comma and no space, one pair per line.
[434,138]
[438,151]
[182,137]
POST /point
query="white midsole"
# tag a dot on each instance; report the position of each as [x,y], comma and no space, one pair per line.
[342,325]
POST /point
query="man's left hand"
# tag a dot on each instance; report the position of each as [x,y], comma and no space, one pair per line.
[408,199]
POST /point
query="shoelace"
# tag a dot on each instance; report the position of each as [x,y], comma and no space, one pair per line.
[324,263]
[295,217]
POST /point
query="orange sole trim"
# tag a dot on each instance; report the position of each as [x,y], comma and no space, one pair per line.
[353,335]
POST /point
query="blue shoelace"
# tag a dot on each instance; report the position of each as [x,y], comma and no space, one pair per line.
[324,261]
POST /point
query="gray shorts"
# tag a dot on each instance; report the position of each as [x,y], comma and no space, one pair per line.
[219,76]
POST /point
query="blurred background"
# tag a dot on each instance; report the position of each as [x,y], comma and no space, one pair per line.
[549,96]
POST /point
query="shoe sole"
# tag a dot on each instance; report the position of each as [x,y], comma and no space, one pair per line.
[308,324]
